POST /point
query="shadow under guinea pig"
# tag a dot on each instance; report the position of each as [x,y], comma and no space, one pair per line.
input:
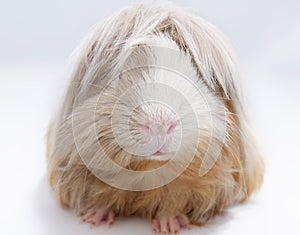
[52,219]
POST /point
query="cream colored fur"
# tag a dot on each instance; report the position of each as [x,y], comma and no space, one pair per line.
[205,55]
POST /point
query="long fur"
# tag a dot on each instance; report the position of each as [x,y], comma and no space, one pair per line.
[236,174]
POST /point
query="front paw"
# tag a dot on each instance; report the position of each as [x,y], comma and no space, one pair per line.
[170,224]
[95,217]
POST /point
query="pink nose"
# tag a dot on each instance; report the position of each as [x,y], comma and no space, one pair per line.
[161,129]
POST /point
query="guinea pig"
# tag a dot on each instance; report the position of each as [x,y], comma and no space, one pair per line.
[153,123]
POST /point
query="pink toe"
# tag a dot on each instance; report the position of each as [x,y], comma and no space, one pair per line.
[156,226]
[164,225]
[110,218]
[98,218]
[183,221]
[174,225]
[88,216]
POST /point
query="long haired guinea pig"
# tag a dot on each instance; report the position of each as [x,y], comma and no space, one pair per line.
[153,124]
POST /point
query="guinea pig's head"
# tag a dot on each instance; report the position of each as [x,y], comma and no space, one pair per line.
[155,106]
[153,89]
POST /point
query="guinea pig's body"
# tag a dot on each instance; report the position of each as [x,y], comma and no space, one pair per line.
[181,158]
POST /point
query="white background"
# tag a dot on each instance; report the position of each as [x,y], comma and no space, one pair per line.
[36,39]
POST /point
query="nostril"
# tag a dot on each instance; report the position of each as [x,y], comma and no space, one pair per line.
[146,128]
[171,128]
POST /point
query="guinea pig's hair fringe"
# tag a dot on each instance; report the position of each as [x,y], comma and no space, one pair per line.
[112,39]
